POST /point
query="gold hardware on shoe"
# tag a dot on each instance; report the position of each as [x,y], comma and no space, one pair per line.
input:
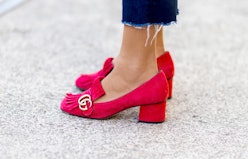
[83,100]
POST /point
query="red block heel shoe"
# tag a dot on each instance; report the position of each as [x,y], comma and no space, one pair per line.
[165,63]
[150,96]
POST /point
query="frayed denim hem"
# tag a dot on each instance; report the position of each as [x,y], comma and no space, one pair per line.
[158,27]
[140,26]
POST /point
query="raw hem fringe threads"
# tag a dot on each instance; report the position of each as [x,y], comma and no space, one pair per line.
[158,27]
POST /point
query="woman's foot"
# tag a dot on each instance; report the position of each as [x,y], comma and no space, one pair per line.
[125,77]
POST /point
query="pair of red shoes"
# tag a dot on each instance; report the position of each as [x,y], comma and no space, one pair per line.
[150,96]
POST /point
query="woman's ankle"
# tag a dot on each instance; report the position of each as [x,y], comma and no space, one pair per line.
[159,51]
[159,46]
[135,71]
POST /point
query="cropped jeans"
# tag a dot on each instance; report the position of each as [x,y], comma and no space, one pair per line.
[141,13]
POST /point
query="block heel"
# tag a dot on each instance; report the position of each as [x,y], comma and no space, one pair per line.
[153,113]
[170,83]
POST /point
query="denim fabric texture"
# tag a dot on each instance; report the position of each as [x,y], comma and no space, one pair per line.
[140,13]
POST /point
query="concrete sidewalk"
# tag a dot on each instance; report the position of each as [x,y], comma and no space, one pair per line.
[45,45]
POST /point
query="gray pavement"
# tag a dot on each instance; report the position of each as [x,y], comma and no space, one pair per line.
[46,44]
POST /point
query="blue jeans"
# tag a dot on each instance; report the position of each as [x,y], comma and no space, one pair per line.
[140,13]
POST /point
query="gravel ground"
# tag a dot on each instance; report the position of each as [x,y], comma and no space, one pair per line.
[46,44]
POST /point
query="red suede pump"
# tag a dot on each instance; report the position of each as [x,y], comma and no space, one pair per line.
[164,62]
[150,96]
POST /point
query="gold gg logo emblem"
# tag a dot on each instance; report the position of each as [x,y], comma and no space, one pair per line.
[84,102]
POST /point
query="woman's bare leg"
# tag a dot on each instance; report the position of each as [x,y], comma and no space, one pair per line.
[135,64]
[159,47]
